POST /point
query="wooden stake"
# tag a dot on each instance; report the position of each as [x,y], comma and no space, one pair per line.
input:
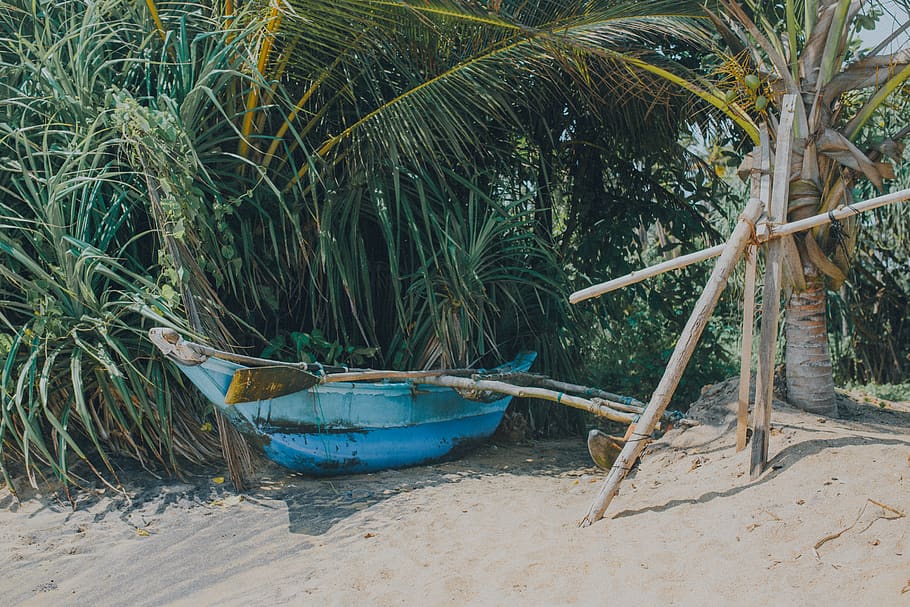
[767,345]
[745,370]
[732,252]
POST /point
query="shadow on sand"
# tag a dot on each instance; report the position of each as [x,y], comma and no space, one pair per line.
[314,505]
[869,425]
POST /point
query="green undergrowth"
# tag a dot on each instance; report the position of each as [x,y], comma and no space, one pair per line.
[893,392]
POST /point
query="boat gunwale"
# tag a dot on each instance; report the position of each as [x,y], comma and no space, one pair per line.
[226,367]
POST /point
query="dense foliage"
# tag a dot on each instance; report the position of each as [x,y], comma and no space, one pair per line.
[388,184]
[400,184]
[80,271]
[870,314]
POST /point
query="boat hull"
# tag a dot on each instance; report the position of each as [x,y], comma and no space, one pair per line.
[371,449]
[346,428]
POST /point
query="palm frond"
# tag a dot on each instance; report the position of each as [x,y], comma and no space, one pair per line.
[471,65]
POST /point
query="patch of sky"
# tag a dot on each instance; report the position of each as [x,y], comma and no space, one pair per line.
[891,27]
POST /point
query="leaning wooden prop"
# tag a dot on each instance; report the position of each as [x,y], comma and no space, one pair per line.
[748,233]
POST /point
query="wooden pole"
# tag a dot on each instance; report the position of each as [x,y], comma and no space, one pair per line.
[374,374]
[705,305]
[836,215]
[640,275]
[595,406]
[745,370]
[764,233]
[761,188]
[610,399]
[767,345]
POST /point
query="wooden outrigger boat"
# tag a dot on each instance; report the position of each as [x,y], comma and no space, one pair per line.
[341,427]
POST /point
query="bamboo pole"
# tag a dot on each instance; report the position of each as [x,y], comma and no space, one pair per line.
[640,275]
[767,345]
[545,382]
[595,406]
[764,233]
[612,400]
[745,370]
[836,215]
[760,187]
[730,256]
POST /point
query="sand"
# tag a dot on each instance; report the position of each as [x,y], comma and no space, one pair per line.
[822,527]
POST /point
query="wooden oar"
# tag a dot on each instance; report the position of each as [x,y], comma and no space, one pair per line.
[264,383]
[604,449]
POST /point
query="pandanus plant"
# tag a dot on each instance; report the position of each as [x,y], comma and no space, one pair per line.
[111,137]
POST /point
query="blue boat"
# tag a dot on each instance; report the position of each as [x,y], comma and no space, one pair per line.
[347,427]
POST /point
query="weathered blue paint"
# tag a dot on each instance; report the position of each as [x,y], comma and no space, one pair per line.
[341,428]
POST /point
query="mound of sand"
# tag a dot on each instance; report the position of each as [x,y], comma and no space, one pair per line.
[824,525]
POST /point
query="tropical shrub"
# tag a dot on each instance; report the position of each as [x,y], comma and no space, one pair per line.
[107,155]
[412,183]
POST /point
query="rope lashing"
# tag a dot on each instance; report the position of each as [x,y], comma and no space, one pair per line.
[753,235]
[838,233]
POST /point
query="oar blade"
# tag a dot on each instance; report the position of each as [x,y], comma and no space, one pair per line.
[264,383]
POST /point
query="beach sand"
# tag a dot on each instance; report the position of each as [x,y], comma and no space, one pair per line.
[822,526]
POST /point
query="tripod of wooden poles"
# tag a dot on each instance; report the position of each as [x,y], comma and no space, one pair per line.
[768,200]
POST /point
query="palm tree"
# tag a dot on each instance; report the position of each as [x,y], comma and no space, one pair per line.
[840,92]
[771,50]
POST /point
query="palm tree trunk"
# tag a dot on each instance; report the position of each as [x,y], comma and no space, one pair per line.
[810,382]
